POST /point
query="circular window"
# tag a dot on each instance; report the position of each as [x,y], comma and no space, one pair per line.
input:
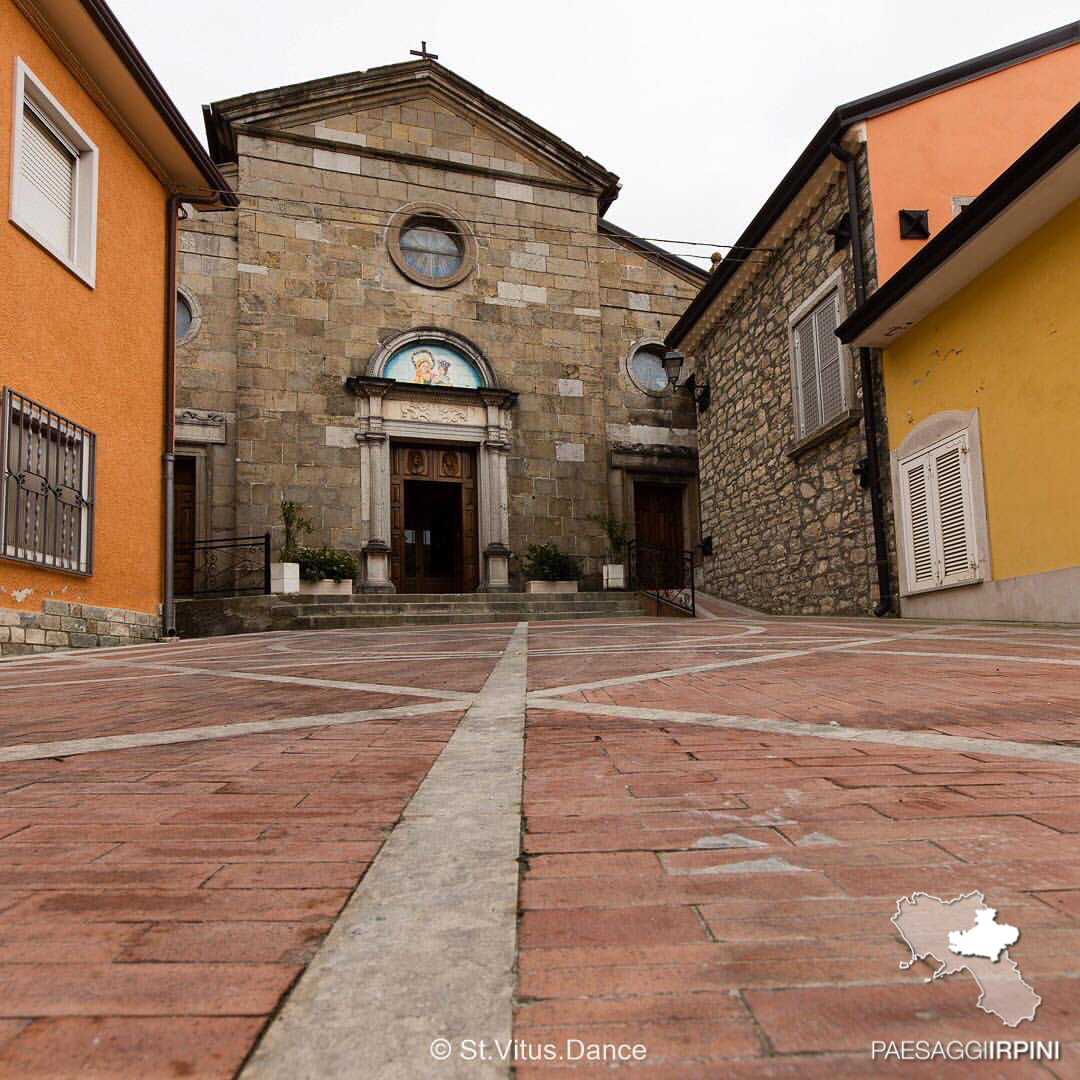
[646,369]
[429,246]
[184,317]
[431,249]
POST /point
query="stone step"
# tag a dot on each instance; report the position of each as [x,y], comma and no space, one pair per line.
[460,598]
[347,622]
[411,606]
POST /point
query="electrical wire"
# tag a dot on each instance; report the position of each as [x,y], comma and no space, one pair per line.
[474,221]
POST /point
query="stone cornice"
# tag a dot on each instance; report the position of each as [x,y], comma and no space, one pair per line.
[372,385]
[419,160]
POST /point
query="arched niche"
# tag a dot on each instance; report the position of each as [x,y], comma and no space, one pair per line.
[428,356]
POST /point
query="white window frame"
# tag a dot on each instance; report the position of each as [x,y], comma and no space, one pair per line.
[833,285]
[81,256]
[926,443]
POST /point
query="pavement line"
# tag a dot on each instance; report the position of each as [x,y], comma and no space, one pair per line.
[957,744]
[299,680]
[99,744]
[1056,660]
[425,947]
[671,673]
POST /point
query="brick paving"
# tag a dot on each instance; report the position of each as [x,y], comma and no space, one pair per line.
[718,892]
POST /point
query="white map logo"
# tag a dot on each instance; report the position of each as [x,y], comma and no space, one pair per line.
[965,927]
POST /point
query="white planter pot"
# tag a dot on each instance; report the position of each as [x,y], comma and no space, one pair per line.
[284,577]
[614,576]
[551,586]
[326,587]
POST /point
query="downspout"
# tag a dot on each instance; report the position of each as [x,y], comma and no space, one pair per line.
[172,207]
[870,474]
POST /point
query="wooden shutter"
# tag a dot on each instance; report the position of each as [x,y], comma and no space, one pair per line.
[917,517]
[952,495]
[809,403]
[818,366]
[828,359]
[47,170]
[937,515]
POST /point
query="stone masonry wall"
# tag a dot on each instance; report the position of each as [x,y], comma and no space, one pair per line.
[551,303]
[62,625]
[792,529]
[206,361]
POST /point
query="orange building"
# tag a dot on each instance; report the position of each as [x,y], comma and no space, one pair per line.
[96,163]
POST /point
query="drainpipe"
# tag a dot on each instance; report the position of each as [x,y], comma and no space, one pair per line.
[172,207]
[870,472]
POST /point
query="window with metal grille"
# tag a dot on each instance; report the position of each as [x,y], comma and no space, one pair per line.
[937,516]
[46,487]
[821,390]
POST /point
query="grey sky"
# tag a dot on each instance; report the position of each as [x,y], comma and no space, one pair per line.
[699,107]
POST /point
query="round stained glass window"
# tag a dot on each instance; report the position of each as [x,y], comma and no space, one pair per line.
[183,317]
[432,249]
[647,371]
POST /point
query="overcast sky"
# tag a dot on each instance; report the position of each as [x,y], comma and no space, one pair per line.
[700,107]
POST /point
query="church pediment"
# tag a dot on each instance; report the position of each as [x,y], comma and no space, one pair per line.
[420,110]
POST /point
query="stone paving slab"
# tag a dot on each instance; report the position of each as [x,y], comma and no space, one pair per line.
[719,816]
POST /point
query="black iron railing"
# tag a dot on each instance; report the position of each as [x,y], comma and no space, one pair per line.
[664,575]
[224,566]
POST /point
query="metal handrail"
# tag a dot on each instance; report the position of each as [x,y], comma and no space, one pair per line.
[663,574]
[248,572]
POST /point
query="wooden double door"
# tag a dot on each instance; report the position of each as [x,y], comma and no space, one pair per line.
[658,516]
[433,542]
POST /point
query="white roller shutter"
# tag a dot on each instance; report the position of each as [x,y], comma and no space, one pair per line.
[47,170]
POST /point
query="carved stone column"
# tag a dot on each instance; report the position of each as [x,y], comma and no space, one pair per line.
[377,479]
[497,499]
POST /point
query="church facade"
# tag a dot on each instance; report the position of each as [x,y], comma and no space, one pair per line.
[420,326]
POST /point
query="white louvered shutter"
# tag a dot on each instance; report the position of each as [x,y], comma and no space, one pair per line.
[938,516]
[806,376]
[952,494]
[828,359]
[918,535]
[47,171]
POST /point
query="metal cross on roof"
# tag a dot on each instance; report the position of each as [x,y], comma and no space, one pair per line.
[423,53]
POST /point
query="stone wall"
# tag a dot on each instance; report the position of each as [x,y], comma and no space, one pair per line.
[552,303]
[791,525]
[206,363]
[62,625]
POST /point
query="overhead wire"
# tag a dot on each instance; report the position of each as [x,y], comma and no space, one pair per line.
[489,222]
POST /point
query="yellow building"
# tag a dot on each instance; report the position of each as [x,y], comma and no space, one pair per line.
[980,334]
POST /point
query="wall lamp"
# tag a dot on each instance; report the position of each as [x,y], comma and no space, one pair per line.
[673,362]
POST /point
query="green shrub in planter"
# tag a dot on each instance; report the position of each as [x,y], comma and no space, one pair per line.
[319,563]
[545,562]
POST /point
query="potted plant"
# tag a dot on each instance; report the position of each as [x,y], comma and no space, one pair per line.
[285,575]
[618,534]
[326,572]
[548,570]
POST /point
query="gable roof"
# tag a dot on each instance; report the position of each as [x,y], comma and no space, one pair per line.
[95,41]
[1039,184]
[679,265]
[392,84]
[842,118]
